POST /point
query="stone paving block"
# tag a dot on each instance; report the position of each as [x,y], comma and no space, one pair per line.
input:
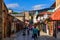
[19,36]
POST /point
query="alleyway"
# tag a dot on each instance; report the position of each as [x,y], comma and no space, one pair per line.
[19,36]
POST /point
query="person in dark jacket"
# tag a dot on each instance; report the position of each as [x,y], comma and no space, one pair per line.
[35,32]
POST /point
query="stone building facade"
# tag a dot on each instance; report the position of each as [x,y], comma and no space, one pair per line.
[0,19]
[3,20]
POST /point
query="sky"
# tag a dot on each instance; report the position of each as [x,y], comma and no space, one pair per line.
[22,5]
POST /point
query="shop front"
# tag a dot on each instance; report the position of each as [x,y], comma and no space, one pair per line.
[55,17]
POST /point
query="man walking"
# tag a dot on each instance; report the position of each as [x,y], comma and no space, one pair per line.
[38,31]
[35,32]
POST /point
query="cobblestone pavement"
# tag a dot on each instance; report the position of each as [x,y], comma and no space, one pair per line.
[58,35]
[19,36]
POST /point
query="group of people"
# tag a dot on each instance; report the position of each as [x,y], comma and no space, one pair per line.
[35,30]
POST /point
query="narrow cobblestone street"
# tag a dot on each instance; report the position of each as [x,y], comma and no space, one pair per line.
[29,19]
[19,36]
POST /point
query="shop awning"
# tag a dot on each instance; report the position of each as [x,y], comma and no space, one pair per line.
[56,15]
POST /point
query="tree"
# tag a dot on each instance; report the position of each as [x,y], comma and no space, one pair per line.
[15,12]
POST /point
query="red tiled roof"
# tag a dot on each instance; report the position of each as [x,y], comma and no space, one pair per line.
[43,13]
[56,15]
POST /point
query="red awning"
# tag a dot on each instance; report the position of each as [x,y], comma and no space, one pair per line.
[56,15]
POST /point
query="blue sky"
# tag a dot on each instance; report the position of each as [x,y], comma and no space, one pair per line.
[19,5]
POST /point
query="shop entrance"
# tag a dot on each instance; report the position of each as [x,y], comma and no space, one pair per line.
[58,29]
[9,29]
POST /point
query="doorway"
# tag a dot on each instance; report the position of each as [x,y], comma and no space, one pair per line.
[8,29]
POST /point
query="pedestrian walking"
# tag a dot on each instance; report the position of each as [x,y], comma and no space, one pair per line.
[54,33]
[30,27]
[38,31]
[24,31]
[35,32]
[28,31]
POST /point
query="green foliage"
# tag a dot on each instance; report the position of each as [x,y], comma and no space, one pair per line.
[31,14]
[15,12]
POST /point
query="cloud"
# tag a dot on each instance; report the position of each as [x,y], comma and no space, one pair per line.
[40,6]
[14,5]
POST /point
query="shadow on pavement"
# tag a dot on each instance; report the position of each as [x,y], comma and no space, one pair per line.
[45,37]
